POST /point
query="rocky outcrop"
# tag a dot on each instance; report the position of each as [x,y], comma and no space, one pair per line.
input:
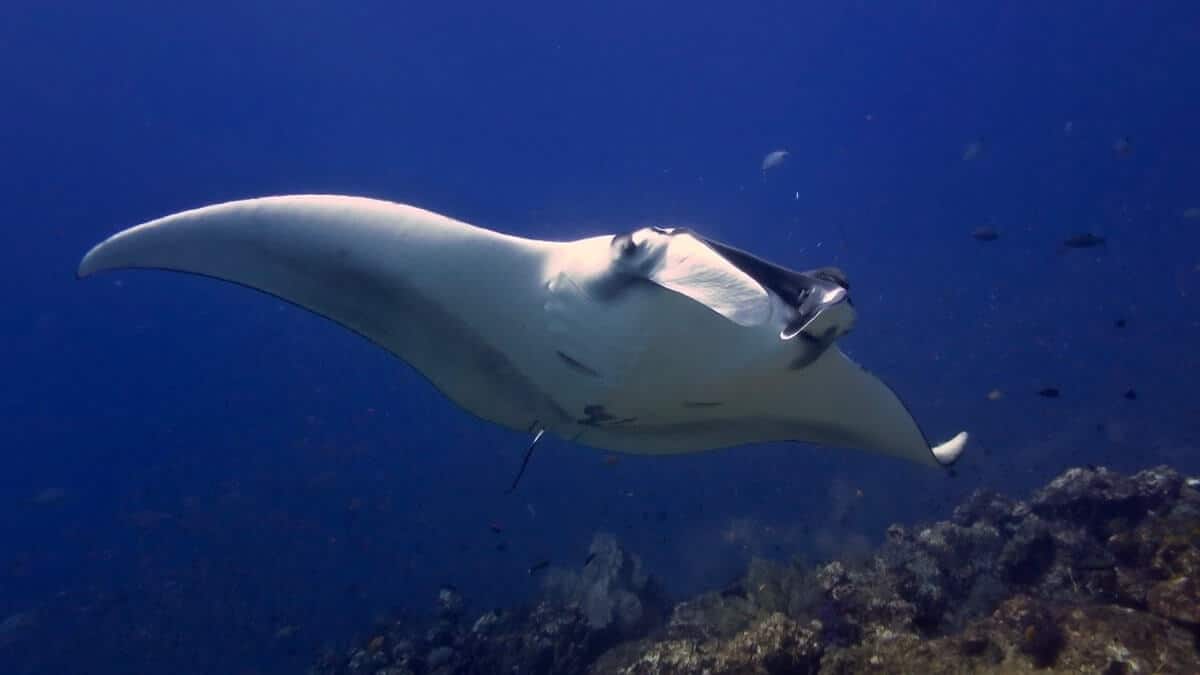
[1097,572]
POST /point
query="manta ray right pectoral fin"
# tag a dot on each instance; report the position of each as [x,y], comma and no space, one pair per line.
[525,460]
[846,406]
[947,453]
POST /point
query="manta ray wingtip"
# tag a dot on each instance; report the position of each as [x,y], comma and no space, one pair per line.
[91,261]
[947,453]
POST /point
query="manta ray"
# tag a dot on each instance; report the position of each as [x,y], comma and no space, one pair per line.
[654,341]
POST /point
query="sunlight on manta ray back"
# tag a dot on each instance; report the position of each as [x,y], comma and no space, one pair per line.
[654,341]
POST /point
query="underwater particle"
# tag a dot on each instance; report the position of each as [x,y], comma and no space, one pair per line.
[538,567]
[612,460]
[1120,323]
[286,632]
[147,519]
[972,150]
[1048,392]
[1122,147]
[1068,127]
[1130,394]
[774,160]
[1192,213]
[495,527]
[985,233]
[1083,240]
[995,395]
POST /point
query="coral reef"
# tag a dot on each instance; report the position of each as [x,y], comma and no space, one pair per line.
[1096,572]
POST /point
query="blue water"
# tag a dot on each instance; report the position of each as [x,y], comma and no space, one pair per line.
[190,467]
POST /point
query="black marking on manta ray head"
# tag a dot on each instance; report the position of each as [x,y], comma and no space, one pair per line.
[576,365]
[702,404]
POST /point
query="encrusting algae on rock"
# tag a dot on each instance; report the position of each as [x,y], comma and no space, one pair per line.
[1097,572]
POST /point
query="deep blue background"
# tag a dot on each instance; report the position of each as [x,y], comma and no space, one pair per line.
[230,466]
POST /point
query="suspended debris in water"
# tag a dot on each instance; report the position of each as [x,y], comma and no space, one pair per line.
[1131,395]
[1122,147]
[1048,392]
[985,233]
[972,150]
[1068,127]
[1083,240]
[538,567]
[995,395]
[1192,213]
[773,160]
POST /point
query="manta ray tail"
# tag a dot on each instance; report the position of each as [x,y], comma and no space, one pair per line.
[525,461]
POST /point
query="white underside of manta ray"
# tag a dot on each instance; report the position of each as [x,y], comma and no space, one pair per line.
[655,341]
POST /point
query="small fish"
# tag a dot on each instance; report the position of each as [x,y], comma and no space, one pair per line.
[985,233]
[538,567]
[1048,392]
[972,150]
[611,460]
[1130,394]
[774,159]
[1083,240]
[995,395]
[49,496]
[590,558]
[1120,323]
[1122,147]
[502,547]
[495,527]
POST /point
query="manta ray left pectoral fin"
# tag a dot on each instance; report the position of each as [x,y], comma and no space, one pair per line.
[693,269]
[525,460]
